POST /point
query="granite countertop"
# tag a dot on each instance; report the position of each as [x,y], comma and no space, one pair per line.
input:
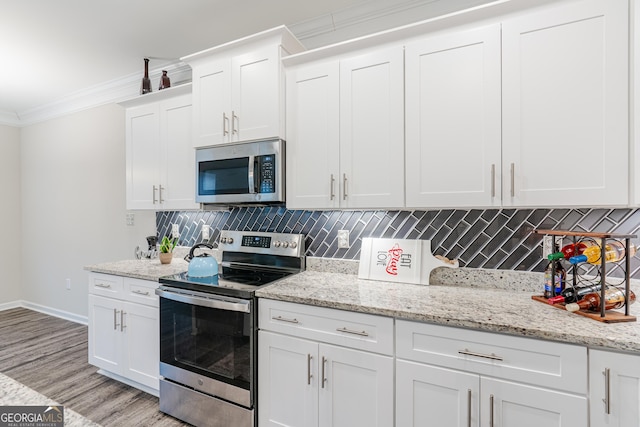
[146,269]
[482,308]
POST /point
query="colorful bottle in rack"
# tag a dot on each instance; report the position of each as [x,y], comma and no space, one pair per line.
[613,298]
[572,294]
[554,279]
[614,251]
[570,250]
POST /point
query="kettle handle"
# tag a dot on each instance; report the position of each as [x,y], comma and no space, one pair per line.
[189,257]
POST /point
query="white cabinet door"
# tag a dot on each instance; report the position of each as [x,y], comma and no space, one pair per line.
[287,381]
[211,102]
[178,181]
[141,335]
[372,129]
[565,105]
[313,136]
[614,389]
[429,396]
[507,404]
[142,156]
[356,388]
[105,346]
[255,94]
[453,119]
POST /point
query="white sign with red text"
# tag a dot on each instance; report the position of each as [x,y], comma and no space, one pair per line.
[397,260]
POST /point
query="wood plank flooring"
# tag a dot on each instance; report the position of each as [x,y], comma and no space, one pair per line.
[49,355]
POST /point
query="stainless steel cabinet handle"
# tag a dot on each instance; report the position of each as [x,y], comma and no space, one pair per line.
[607,391]
[493,180]
[344,186]
[115,319]
[284,319]
[350,331]
[484,356]
[161,189]
[122,325]
[154,194]
[234,120]
[225,124]
[324,379]
[135,291]
[469,408]
[513,180]
[309,376]
[491,410]
[103,285]
[333,181]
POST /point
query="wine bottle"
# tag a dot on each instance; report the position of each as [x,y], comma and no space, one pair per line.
[613,298]
[554,279]
[613,251]
[573,294]
[570,250]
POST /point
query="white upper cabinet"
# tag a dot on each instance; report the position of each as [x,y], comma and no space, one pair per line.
[345,145]
[238,91]
[160,160]
[453,119]
[565,105]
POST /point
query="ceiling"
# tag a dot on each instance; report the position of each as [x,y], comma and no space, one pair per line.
[60,56]
[51,49]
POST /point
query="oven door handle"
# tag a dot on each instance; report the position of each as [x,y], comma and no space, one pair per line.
[210,301]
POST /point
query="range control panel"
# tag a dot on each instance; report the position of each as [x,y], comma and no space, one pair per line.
[262,242]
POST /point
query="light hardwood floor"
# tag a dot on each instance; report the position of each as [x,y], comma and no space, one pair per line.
[49,355]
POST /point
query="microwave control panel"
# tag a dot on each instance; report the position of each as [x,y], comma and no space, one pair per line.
[267,167]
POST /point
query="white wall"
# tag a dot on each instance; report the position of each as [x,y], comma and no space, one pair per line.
[10,289]
[73,205]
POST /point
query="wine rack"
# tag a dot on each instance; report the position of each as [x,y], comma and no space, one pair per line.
[601,239]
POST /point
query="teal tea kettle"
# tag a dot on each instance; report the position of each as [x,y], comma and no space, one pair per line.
[203,265]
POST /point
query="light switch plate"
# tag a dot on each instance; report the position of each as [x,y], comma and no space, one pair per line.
[175,231]
[205,231]
[343,239]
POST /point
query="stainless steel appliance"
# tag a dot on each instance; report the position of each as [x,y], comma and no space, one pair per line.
[209,331]
[238,173]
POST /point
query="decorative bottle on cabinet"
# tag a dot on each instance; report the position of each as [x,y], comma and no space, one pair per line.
[146,81]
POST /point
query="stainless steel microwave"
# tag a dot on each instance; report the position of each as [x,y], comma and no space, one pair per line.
[243,172]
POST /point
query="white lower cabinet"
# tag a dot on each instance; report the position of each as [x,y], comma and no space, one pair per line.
[614,389]
[456,377]
[323,382]
[123,329]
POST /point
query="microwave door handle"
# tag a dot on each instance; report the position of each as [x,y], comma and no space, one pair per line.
[252,173]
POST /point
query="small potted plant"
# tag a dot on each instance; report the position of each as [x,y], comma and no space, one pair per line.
[166,249]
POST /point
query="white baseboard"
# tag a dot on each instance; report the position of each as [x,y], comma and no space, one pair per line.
[127,381]
[46,310]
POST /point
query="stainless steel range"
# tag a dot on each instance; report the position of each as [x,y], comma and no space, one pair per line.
[209,331]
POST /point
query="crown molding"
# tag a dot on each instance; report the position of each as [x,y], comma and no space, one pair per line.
[357,21]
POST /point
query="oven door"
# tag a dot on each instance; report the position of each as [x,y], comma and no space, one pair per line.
[207,342]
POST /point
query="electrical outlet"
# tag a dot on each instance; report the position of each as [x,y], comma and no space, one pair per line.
[547,245]
[68,284]
[205,231]
[175,231]
[343,239]
[130,218]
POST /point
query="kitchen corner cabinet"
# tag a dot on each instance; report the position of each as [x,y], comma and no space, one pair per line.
[323,367]
[565,105]
[238,89]
[453,119]
[458,377]
[124,336]
[160,159]
[345,137]
[614,387]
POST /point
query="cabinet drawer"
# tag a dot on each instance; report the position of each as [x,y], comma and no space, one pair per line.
[537,362]
[356,330]
[106,284]
[140,291]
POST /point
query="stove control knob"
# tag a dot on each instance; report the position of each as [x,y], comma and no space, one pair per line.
[293,245]
[277,244]
[285,244]
[230,240]
[223,240]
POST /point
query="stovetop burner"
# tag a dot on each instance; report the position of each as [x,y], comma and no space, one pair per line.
[250,260]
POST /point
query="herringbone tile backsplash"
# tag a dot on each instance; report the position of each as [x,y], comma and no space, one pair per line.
[493,238]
